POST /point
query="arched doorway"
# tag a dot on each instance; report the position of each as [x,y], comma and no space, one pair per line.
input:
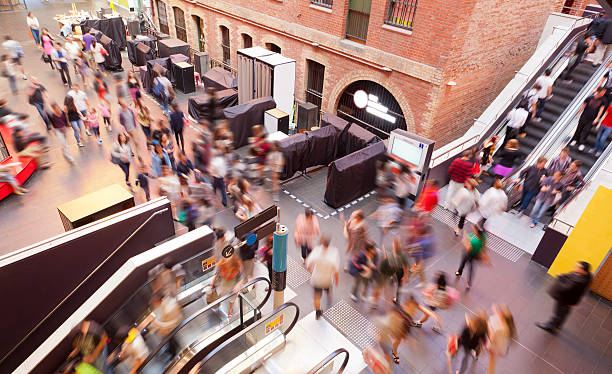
[382,114]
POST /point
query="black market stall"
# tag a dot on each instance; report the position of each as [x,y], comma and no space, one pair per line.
[242,118]
[113,27]
[113,58]
[219,79]
[353,175]
[198,106]
[137,59]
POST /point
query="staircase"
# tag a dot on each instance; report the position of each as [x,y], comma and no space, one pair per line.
[563,93]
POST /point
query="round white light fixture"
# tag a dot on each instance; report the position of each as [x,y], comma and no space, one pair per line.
[361,99]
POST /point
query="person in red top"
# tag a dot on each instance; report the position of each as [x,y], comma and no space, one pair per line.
[429,197]
[604,128]
[459,170]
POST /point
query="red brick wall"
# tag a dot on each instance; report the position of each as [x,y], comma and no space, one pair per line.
[476,43]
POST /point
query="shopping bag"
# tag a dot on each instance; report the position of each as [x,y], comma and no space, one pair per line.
[376,361]
[212,296]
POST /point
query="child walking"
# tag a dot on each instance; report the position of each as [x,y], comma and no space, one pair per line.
[106,114]
[93,124]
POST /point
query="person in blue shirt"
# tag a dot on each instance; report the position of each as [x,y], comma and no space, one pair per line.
[159,157]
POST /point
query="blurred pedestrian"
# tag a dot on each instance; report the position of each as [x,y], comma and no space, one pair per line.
[177,124]
[265,255]
[159,159]
[355,231]
[162,88]
[493,202]
[428,199]
[60,58]
[545,82]
[393,268]
[75,118]
[532,177]
[248,209]
[121,156]
[459,171]
[101,88]
[93,123]
[89,342]
[15,52]
[105,112]
[515,120]
[438,295]
[560,163]
[8,71]
[228,278]
[364,269]
[73,47]
[144,119]
[83,68]
[474,244]
[47,43]
[577,56]
[134,88]
[218,170]
[507,158]
[465,201]
[567,291]
[36,97]
[34,27]
[127,119]
[551,186]
[472,338]
[6,176]
[98,53]
[276,162]
[59,120]
[324,264]
[260,147]
[142,180]
[604,129]
[306,232]
[501,332]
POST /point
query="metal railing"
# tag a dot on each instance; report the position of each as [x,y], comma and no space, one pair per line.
[357,25]
[401,13]
[216,63]
[323,3]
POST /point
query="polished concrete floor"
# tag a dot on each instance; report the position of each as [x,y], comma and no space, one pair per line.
[584,346]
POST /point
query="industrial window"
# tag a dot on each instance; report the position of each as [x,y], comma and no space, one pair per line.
[314,85]
[247,41]
[163,18]
[401,13]
[225,44]
[358,19]
[179,23]
[323,3]
[273,47]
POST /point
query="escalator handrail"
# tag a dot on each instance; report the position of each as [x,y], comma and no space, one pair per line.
[147,283]
[255,325]
[187,320]
[329,358]
[566,118]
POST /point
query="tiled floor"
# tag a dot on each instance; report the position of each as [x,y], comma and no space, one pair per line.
[585,345]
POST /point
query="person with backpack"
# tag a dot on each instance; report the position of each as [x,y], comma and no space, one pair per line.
[474,244]
[162,88]
[472,338]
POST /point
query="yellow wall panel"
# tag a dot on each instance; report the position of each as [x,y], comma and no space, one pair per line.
[591,239]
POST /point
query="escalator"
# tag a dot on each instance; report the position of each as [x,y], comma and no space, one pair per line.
[207,328]
[563,93]
[247,351]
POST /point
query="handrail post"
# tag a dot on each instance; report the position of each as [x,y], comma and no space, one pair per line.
[241,309]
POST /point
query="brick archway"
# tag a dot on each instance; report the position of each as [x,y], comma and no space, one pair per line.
[341,85]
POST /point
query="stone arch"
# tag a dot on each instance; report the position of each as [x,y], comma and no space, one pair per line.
[343,83]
